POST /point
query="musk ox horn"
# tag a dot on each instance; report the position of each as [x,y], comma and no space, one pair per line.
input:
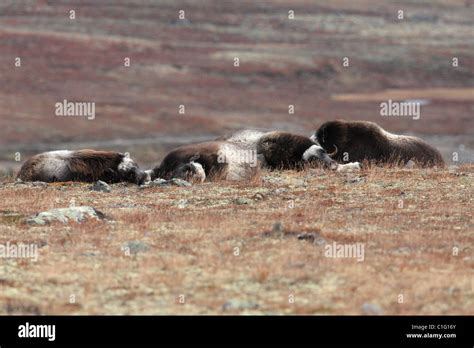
[334,152]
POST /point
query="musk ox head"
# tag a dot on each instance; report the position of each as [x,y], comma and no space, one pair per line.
[192,171]
[332,136]
[316,153]
[129,171]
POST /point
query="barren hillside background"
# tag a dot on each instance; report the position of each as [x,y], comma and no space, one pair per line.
[191,62]
[250,247]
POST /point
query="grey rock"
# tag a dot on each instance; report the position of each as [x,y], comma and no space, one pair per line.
[353,180]
[410,164]
[243,200]
[371,309]
[401,251]
[154,183]
[39,184]
[162,182]
[277,228]
[182,203]
[272,179]
[312,237]
[180,182]
[135,246]
[90,254]
[279,191]
[159,182]
[100,186]
[65,215]
[348,167]
[31,183]
[239,305]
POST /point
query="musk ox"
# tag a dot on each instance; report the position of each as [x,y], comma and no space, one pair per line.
[214,160]
[81,165]
[237,156]
[361,140]
[282,150]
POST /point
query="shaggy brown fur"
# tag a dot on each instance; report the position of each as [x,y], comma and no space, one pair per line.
[283,150]
[280,150]
[82,165]
[363,140]
[176,162]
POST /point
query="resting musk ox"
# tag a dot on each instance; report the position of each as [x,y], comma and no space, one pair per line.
[237,156]
[81,165]
[282,150]
[361,140]
[210,161]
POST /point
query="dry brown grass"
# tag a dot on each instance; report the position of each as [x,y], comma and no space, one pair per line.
[191,250]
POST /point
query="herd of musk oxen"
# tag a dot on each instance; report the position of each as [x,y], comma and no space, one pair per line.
[336,145]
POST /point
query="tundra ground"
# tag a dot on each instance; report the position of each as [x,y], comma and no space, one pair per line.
[216,248]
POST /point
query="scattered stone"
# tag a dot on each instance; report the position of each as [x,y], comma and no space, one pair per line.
[239,305]
[39,184]
[278,229]
[353,180]
[401,251]
[182,203]
[410,164]
[31,183]
[100,186]
[371,309]
[279,191]
[272,179]
[180,182]
[90,254]
[159,182]
[65,215]
[135,247]
[258,197]
[349,167]
[243,200]
[162,182]
[154,183]
[312,237]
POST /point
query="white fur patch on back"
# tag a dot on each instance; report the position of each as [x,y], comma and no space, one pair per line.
[236,169]
[59,154]
[126,164]
[247,136]
[200,173]
[312,151]
[54,164]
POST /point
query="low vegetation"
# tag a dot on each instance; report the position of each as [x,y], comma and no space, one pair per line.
[259,247]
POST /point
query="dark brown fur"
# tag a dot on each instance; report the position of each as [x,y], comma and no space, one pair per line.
[283,150]
[280,150]
[83,165]
[205,154]
[363,140]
